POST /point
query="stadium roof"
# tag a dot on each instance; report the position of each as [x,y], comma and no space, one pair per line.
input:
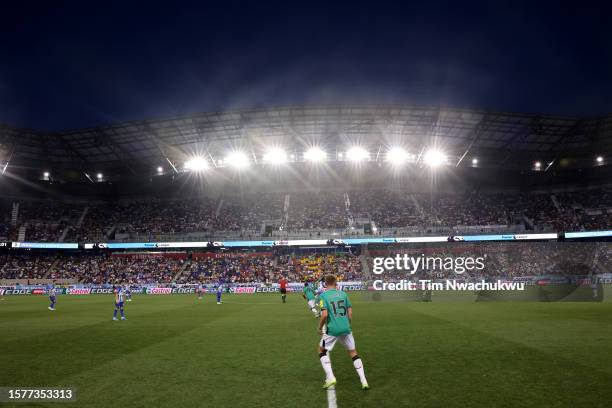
[496,138]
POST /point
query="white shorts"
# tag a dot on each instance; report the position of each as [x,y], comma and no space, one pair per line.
[328,342]
[311,303]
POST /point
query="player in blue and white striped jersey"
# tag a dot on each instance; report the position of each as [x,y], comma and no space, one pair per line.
[52,292]
[219,292]
[119,295]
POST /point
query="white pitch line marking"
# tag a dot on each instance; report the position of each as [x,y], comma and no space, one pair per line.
[252,303]
[331,397]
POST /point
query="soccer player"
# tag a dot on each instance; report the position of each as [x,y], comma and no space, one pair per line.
[52,292]
[219,292]
[321,287]
[128,293]
[119,302]
[335,325]
[200,291]
[309,295]
[283,288]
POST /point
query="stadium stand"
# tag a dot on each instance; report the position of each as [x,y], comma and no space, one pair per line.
[505,260]
[309,213]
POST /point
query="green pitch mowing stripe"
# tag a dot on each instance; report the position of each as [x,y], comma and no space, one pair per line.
[255,351]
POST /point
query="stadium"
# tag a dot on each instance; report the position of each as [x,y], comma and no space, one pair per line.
[172,207]
[253,204]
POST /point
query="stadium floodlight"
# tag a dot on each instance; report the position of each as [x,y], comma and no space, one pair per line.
[537,165]
[357,154]
[196,164]
[434,157]
[599,159]
[397,155]
[237,160]
[46,174]
[474,161]
[315,154]
[99,176]
[160,169]
[275,155]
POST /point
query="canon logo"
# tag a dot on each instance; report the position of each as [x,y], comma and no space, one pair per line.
[83,291]
[160,291]
[247,289]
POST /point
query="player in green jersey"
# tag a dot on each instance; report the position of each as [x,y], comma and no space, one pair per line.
[309,295]
[335,325]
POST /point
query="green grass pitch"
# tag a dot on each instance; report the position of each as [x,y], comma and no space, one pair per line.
[254,351]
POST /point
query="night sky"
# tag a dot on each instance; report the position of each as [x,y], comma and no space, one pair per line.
[70,66]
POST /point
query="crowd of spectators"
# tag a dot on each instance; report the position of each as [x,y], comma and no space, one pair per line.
[5,219]
[248,213]
[27,265]
[266,268]
[306,211]
[344,266]
[231,268]
[387,208]
[155,268]
[509,260]
[323,210]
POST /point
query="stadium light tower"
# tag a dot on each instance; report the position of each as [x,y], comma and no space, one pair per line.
[275,155]
[195,164]
[46,174]
[357,154]
[474,161]
[237,160]
[434,158]
[538,165]
[160,169]
[397,156]
[315,154]
[599,159]
[99,176]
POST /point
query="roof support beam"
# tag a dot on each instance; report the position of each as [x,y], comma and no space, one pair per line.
[475,135]
[163,147]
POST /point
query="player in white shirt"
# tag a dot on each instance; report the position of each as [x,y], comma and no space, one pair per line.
[119,295]
[52,292]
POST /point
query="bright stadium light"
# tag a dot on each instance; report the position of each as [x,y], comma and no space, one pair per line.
[474,161]
[434,158]
[99,176]
[237,160]
[160,169]
[537,165]
[397,155]
[315,154]
[357,154]
[599,159]
[46,174]
[195,164]
[275,156]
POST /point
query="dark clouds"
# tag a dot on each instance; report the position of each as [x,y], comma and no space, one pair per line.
[73,66]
